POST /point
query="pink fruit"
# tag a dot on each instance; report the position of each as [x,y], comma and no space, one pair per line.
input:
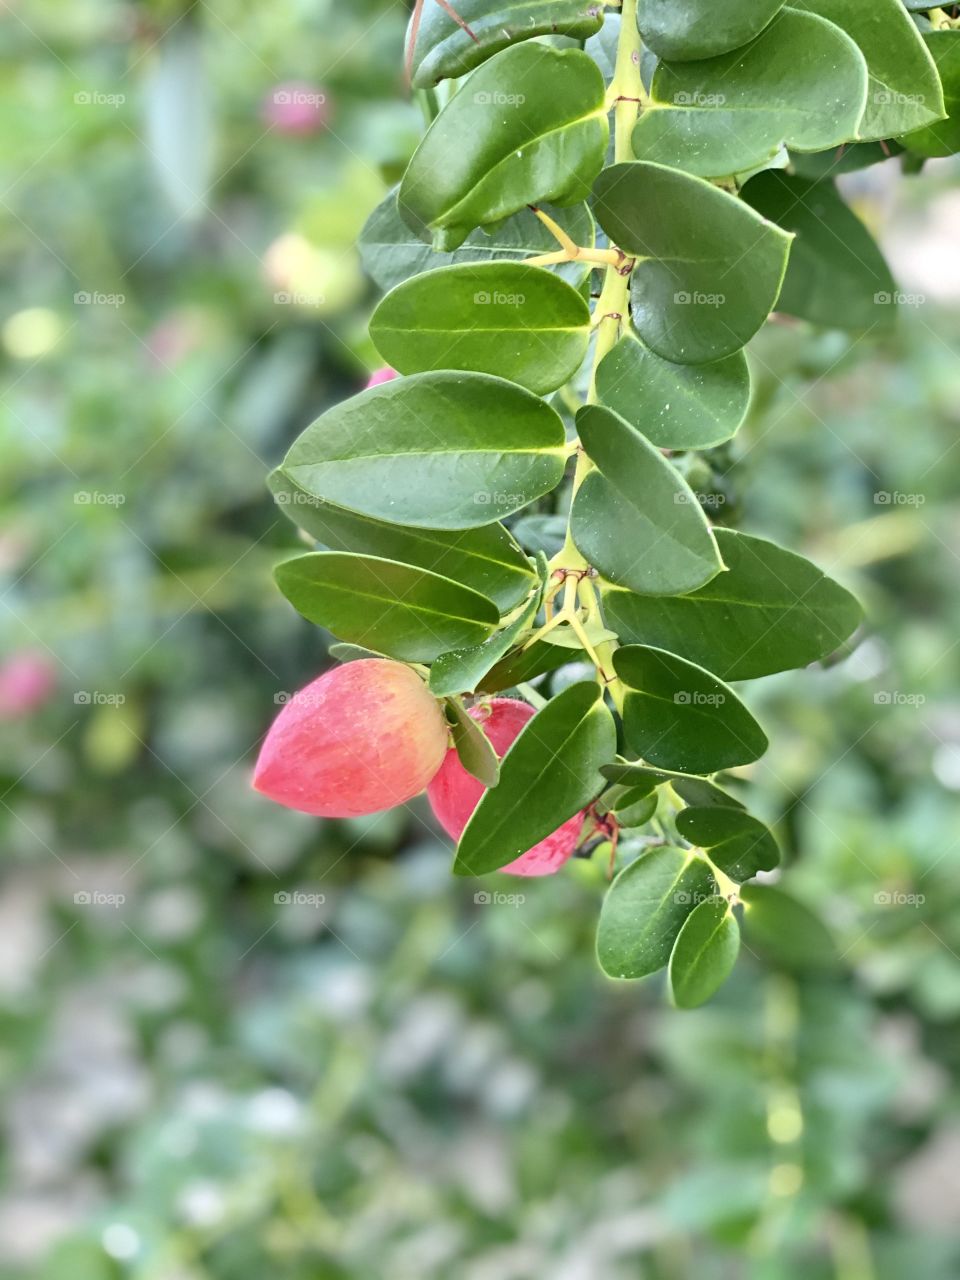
[297,108]
[361,738]
[386,374]
[454,793]
[26,681]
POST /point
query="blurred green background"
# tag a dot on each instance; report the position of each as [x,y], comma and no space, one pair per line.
[238,1042]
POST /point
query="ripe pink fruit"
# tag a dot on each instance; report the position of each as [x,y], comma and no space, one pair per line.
[26,681]
[454,793]
[385,374]
[297,108]
[361,738]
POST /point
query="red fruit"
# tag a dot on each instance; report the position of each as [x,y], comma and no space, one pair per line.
[454,793]
[26,682]
[361,738]
[384,374]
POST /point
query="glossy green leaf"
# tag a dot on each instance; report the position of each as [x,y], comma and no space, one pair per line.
[531,125]
[678,716]
[676,406]
[473,747]
[703,794]
[685,30]
[444,49]
[903,90]
[786,930]
[438,450]
[738,843]
[942,138]
[351,652]
[771,611]
[634,809]
[709,268]
[518,322]
[645,909]
[836,276]
[525,664]
[700,792]
[463,670]
[551,771]
[396,609]
[392,253]
[486,559]
[637,521]
[704,954]
[802,84]
[817,165]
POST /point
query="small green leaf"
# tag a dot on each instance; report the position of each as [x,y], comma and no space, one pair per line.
[634,809]
[525,664]
[700,792]
[676,406]
[443,49]
[351,652]
[518,322]
[392,253]
[942,138]
[786,930]
[709,269]
[487,559]
[679,716]
[771,611]
[435,451]
[473,747]
[904,91]
[685,30]
[531,125]
[463,670]
[396,609]
[802,84]
[645,909]
[550,773]
[637,521]
[836,276]
[739,844]
[704,954]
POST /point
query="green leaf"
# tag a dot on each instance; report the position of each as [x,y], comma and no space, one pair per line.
[837,276]
[392,253]
[676,406]
[802,83]
[704,954]
[530,125]
[396,609]
[438,450]
[786,930]
[703,794]
[689,29]
[678,716]
[645,909]
[351,652]
[739,844]
[637,521]
[550,773]
[526,664]
[942,138]
[473,747]
[700,792]
[903,90]
[771,611]
[634,809]
[462,670]
[831,164]
[519,322]
[443,49]
[487,559]
[709,269]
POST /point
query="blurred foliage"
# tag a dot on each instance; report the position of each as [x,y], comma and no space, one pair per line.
[238,1041]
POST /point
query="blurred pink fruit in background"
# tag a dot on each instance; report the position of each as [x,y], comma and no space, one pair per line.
[26,682]
[297,108]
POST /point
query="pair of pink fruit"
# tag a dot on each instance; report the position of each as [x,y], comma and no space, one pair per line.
[369,735]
